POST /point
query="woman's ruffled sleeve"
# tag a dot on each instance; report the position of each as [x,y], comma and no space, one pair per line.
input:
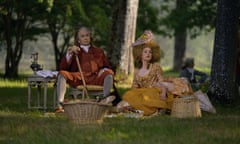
[159,72]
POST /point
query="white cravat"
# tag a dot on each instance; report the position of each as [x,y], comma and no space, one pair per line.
[85,47]
[191,70]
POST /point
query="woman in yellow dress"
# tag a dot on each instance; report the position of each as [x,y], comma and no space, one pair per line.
[151,91]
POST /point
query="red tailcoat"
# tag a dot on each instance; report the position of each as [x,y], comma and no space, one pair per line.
[90,62]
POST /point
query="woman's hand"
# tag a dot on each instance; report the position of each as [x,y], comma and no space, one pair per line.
[163,94]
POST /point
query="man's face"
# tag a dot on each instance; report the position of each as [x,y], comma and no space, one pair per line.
[84,37]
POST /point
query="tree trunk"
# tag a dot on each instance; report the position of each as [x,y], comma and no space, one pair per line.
[223,87]
[59,50]
[123,35]
[11,63]
[179,41]
[55,35]
[179,49]
[14,46]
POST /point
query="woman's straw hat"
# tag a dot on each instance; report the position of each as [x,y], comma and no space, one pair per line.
[146,40]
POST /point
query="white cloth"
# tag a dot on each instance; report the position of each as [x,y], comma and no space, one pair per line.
[204,102]
[85,47]
[68,56]
[47,73]
[191,70]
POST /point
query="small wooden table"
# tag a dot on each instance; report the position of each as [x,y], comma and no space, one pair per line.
[40,82]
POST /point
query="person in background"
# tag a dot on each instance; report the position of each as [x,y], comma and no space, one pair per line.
[195,77]
[94,64]
[151,92]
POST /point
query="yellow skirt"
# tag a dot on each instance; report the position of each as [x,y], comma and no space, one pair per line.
[147,100]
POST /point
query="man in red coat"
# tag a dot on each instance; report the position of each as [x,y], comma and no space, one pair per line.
[94,64]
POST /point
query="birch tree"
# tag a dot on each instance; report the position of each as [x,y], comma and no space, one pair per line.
[122,35]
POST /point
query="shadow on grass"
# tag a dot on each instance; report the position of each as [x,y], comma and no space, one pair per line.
[16,98]
[20,125]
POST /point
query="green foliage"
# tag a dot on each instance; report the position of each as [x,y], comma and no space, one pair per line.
[18,23]
[196,16]
[165,18]
[63,16]
[8,83]
[147,17]
[100,13]
[17,18]
[66,13]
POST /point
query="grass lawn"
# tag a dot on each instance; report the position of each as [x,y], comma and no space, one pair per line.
[18,125]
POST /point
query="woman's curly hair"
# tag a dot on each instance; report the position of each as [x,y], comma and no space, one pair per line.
[157,53]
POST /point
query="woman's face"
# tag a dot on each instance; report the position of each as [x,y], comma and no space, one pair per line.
[147,54]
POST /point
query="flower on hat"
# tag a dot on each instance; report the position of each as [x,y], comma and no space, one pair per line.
[144,38]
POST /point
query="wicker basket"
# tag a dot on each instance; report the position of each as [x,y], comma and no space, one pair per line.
[85,112]
[187,106]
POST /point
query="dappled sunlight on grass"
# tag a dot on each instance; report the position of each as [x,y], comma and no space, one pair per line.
[123,85]
[13,83]
[17,125]
[13,124]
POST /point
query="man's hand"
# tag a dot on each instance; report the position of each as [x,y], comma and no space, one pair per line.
[101,71]
[73,50]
